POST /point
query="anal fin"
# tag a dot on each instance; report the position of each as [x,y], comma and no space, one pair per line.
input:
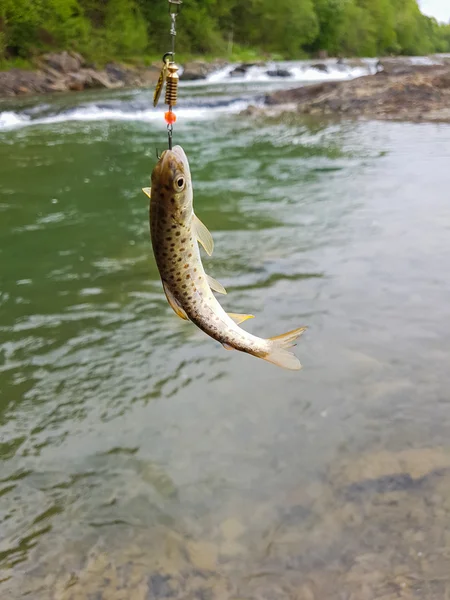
[174,303]
[227,346]
[240,318]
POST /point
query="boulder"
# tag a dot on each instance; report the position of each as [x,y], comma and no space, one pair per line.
[320,67]
[18,81]
[100,79]
[77,82]
[89,79]
[63,62]
[242,69]
[149,76]
[78,57]
[56,86]
[116,73]
[195,70]
[279,73]
[239,71]
[354,63]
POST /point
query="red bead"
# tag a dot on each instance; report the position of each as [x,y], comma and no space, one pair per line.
[170,117]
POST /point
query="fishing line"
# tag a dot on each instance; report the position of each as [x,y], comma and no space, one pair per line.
[169,74]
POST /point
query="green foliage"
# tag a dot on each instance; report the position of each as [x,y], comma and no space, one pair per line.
[126,29]
[118,28]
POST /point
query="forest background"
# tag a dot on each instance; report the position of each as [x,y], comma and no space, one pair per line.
[137,30]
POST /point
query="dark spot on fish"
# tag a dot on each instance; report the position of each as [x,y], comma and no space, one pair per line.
[174,226]
[184,286]
[167,187]
[186,266]
[179,260]
[177,233]
[195,270]
[188,276]
[182,249]
[183,241]
[190,254]
[172,245]
[172,200]
[168,238]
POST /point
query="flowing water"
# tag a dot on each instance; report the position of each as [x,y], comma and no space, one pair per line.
[139,459]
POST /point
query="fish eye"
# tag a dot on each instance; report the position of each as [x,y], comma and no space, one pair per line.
[180,183]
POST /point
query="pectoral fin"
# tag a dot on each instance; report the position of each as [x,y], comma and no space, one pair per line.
[174,303]
[147,192]
[203,235]
[215,285]
[237,318]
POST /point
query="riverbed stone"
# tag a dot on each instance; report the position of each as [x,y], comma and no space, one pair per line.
[203,555]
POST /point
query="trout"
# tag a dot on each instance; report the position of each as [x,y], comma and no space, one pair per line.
[175,233]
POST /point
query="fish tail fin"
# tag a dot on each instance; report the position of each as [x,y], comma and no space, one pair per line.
[279,355]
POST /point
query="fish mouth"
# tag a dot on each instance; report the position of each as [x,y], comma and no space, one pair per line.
[179,153]
[176,153]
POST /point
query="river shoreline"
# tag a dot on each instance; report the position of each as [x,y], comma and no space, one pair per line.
[401,88]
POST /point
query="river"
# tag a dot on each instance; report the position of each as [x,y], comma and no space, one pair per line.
[138,458]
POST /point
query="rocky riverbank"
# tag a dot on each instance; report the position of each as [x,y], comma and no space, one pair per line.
[398,91]
[69,71]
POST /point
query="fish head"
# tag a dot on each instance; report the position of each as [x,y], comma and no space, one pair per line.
[172,184]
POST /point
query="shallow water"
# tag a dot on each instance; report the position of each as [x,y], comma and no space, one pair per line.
[141,460]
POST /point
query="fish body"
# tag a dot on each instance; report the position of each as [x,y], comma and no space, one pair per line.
[175,233]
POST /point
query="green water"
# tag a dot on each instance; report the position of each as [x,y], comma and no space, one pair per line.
[141,460]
